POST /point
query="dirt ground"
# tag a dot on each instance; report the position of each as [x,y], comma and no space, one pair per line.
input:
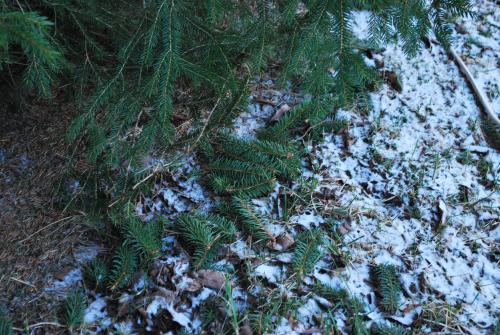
[37,235]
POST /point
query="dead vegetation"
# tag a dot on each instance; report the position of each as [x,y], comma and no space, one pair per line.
[37,236]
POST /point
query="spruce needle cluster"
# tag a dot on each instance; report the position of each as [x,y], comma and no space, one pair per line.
[386,280]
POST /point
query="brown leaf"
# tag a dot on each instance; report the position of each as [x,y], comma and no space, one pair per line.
[62,273]
[285,241]
[167,294]
[344,229]
[379,62]
[392,80]
[123,308]
[212,279]
[246,330]
[279,113]
[194,286]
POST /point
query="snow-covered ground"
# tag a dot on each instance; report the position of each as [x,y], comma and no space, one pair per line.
[419,186]
[404,163]
[405,167]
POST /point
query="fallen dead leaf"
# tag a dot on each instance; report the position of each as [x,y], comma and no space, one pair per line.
[442,213]
[280,112]
[285,241]
[245,330]
[344,229]
[212,279]
[62,273]
[194,286]
[393,81]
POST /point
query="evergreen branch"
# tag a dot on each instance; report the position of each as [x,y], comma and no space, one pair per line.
[251,222]
[124,266]
[387,282]
[390,330]
[74,309]
[200,237]
[5,324]
[307,252]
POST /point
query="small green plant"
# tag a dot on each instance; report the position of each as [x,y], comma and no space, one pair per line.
[96,272]
[355,306]
[247,168]
[465,158]
[124,266]
[330,325]
[252,223]
[441,315]
[271,304]
[204,235]
[339,297]
[386,280]
[144,237]
[74,309]
[496,328]
[485,168]
[390,330]
[230,307]
[359,327]
[5,323]
[307,252]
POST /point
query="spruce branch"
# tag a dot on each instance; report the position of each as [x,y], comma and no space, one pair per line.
[252,223]
[387,283]
[307,252]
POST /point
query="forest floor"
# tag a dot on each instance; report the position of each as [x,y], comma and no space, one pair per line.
[413,183]
[38,237]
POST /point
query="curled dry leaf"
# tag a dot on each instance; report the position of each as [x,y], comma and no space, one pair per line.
[169,295]
[442,213]
[280,112]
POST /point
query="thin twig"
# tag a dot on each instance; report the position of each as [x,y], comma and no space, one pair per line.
[45,227]
[206,123]
[479,93]
[55,324]
[23,282]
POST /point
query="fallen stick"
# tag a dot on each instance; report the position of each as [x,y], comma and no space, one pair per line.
[480,95]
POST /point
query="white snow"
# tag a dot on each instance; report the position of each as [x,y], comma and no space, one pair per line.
[71,279]
[95,311]
[418,137]
[272,273]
